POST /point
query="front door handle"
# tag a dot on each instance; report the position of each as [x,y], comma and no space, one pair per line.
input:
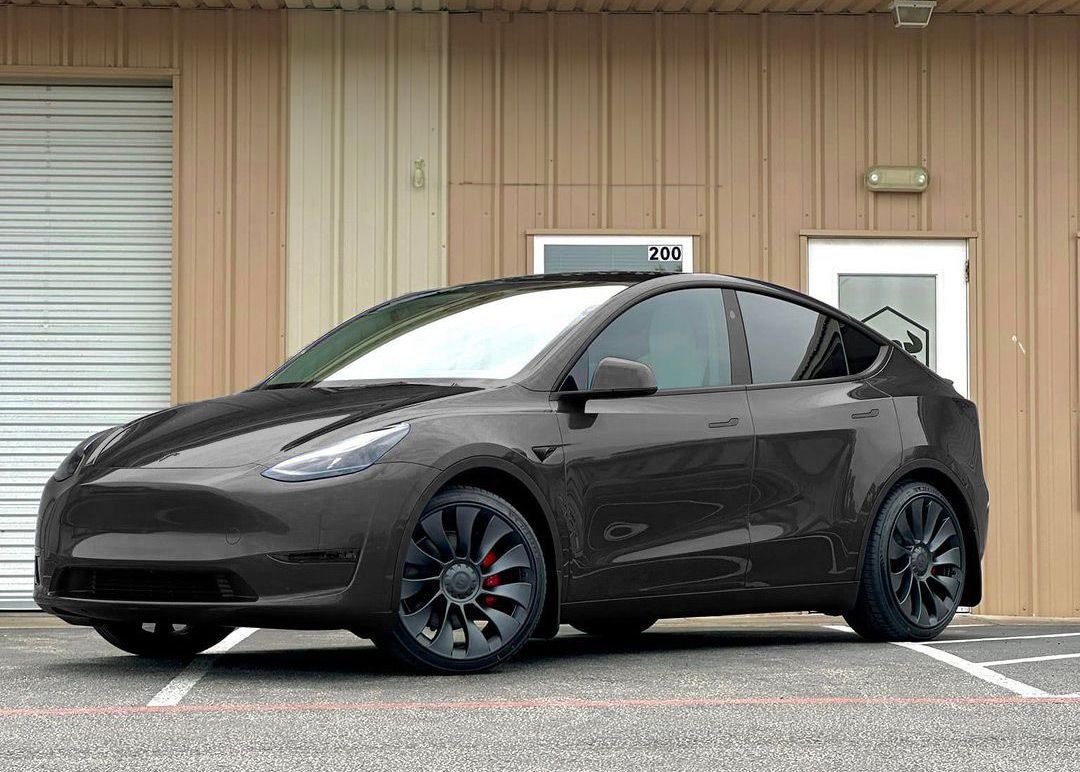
[872,413]
[723,424]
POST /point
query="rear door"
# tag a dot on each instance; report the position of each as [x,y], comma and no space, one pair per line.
[658,485]
[822,439]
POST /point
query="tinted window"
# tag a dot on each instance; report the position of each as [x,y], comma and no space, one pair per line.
[681,335]
[789,342]
[484,331]
[861,349]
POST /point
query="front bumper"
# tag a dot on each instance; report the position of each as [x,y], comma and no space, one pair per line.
[225,546]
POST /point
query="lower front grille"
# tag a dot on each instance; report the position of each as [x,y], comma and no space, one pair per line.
[151,584]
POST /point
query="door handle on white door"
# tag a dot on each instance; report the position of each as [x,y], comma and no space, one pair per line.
[872,413]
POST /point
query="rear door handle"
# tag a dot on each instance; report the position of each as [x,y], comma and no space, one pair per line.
[872,413]
[723,424]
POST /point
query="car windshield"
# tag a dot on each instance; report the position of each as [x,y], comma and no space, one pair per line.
[483,331]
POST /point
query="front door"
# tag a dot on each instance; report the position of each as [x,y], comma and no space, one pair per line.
[913,291]
[658,485]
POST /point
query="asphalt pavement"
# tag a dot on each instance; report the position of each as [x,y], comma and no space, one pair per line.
[778,692]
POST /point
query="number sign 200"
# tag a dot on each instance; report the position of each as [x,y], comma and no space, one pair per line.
[665,253]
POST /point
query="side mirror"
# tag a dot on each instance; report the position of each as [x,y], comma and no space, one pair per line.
[615,377]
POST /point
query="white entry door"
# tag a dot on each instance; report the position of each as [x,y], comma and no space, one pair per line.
[913,291]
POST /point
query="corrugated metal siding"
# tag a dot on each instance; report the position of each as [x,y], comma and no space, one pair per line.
[230,177]
[85,284]
[753,128]
[804,7]
[366,95]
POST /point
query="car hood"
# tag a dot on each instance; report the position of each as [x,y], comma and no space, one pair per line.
[253,426]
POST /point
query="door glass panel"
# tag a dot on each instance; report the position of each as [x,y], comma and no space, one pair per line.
[789,342]
[902,307]
[681,335]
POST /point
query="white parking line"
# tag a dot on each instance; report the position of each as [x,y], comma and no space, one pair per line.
[1003,638]
[178,688]
[1017,661]
[971,668]
[976,670]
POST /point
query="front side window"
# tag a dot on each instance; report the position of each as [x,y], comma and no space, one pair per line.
[789,342]
[486,331]
[681,335]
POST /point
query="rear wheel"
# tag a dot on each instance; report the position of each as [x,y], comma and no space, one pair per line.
[472,585]
[914,568]
[161,639]
[615,628]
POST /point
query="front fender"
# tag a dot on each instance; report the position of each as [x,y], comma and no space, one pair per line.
[542,481]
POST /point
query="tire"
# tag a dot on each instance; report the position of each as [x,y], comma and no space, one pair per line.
[467,604]
[161,639]
[914,568]
[614,628]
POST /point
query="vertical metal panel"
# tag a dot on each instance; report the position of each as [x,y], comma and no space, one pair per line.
[789,95]
[766,126]
[230,212]
[85,284]
[365,95]
[1053,206]
[1004,257]
[734,237]
[229,219]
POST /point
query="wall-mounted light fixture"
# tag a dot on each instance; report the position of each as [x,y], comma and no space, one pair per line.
[897,179]
[419,176]
[912,13]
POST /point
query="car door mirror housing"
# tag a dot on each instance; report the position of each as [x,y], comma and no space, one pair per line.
[615,377]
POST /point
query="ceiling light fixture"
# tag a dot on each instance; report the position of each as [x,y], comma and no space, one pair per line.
[912,13]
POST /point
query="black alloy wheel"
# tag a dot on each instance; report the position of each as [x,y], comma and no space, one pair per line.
[913,572]
[472,584]
[161,639]
[926,560]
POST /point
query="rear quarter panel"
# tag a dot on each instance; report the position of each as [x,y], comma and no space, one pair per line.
[939,429]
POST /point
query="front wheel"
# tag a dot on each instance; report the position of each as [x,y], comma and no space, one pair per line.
[161,639]
[914,568]
[472,585]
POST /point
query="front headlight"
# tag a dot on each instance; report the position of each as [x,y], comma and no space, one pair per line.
[74,459]
[345,457]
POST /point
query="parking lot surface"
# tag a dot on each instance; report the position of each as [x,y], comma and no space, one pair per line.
[771,692]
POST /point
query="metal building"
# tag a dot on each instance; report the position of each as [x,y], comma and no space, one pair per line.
[188,193]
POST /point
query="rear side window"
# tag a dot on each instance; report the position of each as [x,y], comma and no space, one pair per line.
[861,349]
[789,342]
[681,335]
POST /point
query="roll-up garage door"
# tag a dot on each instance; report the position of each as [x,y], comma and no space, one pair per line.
[85,284]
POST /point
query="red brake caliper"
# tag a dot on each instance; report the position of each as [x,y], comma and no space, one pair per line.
[492,581]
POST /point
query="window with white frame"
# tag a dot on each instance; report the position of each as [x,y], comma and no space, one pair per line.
[610,252]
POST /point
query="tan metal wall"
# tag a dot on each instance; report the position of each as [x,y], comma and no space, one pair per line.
[751,129]
[227,68]
[367,99]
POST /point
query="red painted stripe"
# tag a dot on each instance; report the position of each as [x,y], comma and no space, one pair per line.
[549,704]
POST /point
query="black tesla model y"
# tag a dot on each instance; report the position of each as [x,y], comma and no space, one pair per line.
[456,471]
